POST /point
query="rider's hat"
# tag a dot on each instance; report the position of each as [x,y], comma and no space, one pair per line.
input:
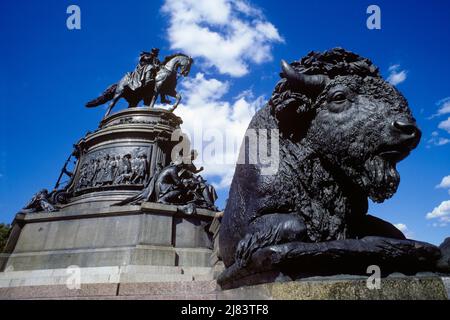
[155,50]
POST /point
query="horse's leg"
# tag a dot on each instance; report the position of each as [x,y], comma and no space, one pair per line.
[148,94]
[156,92]
[164,99]
[132,102]
[177,102]
[152,103]
[116,98]
[134,99]
[147,101]
[119,93]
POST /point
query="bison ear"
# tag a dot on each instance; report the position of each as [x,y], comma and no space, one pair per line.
[292,109]
[311,85]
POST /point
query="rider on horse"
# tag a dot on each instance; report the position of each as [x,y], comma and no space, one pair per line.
[150,79]
[146,70]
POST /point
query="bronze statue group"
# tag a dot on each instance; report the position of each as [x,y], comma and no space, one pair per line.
[178,183]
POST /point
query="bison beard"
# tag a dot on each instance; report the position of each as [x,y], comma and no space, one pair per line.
[380,178]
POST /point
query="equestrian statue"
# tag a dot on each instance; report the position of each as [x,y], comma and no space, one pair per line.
[150,79]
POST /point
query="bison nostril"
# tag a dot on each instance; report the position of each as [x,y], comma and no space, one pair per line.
[406,128]
[409,129]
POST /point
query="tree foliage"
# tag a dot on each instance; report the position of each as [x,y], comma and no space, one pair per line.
[5,230]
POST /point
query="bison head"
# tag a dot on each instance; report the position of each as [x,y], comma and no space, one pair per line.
[336,105]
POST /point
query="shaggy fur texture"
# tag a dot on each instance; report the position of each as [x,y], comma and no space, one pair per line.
[338,146]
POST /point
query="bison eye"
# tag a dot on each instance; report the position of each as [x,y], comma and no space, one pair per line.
[339,96]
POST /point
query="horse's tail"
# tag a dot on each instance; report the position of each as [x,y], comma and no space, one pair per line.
[106,96]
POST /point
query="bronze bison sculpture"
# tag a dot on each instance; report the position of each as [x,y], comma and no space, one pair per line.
[342,131]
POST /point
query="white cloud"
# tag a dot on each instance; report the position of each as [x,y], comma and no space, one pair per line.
[444,107]
[245,94]
[445,125]
[215,124]
[436,140]
[394,67]
[441,224]
[403,228]
[396,76]
[400,226]
[442,213]
[247,9]
[445,183]
[442,141]
[226,34]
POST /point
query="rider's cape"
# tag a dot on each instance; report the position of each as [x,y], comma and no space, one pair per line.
[137,79]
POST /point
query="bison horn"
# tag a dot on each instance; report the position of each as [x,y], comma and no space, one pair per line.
[312,84]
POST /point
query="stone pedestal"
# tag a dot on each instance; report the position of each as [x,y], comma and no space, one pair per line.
[114,162]
[150,234]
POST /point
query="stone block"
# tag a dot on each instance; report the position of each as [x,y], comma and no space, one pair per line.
[190,233]
[61,234]
[328,288]
[5,283]
[165,289]
[189,257]
[117,231]
[58,291]
[87,232]
[64,258]
[105,257]
[156,230]
[145,278]
[196,270]
[28,273]
[57,280]
[89,271]
[204,277]
[153,255]
[32,237]
[151,269]
[446,281]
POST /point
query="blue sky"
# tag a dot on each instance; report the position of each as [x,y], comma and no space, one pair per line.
[49,72]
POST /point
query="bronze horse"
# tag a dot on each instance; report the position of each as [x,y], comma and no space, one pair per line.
[164,83]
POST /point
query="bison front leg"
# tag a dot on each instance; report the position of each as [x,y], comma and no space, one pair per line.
[294,260]
[263,233]
[268,230]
